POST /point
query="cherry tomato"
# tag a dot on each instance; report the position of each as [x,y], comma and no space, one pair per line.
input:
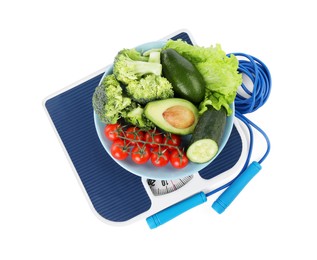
[160,156]
[140,153]
[112,131]
[134,134]
[178,159]
[119,149]
[154,137]
[172,139]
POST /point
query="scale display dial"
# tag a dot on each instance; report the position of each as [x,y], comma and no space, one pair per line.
[162,187]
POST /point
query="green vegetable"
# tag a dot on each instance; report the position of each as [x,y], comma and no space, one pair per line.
[186,80]
[148,52]
[130,65]
[174,115]
[149,88]
[135,116]
[155,57]
[219,71]
[108,100]
[205,140]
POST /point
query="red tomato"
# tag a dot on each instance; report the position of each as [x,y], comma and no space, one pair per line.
[119,149]
[154,137]
[160,156]
[178,159]
[134,134]
[172,139]
[140,153]
[112,131]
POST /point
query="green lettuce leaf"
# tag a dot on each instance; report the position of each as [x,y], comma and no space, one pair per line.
[219,71]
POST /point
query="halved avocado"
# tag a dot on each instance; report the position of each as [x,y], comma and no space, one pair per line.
[174,115]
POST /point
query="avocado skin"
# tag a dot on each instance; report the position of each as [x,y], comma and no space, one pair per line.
[154,112]
[186,80]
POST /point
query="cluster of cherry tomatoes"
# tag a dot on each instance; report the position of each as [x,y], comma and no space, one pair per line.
[160,148]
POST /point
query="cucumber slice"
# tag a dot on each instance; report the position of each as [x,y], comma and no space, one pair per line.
[202,151]
[205,140]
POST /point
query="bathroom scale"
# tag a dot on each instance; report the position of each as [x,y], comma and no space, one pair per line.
[115,195]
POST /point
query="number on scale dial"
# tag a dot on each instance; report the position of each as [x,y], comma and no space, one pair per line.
[161,187]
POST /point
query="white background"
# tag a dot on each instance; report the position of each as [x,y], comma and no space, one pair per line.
[47,45]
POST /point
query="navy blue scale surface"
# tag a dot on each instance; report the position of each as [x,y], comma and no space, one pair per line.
[117,195]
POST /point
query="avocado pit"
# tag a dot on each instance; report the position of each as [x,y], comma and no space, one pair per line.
[179,116]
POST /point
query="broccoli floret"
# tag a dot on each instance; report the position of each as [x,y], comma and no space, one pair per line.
[149,88]
[154,55]
[130,65]
[108,100]
[133,54]
[136,117]
[99,100]
[148,52]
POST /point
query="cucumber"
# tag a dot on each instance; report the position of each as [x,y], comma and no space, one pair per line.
[186,80]
[205,140]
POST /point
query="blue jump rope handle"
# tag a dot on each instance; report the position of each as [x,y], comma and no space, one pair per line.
[173,211]
[236,187]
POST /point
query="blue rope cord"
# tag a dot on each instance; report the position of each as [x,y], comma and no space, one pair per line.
[260,76]
[250,101]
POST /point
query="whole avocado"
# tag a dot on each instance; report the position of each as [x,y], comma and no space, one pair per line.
[186,80]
